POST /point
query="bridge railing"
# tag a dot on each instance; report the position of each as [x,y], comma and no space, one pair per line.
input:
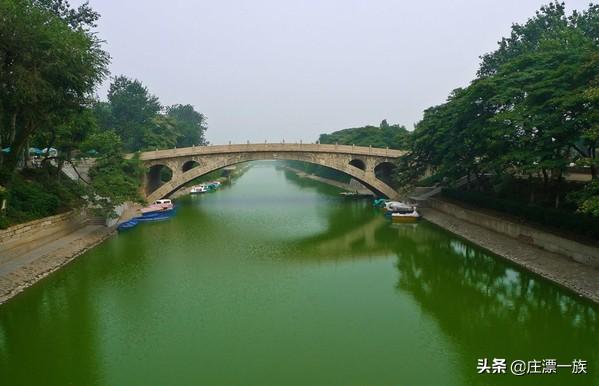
[270,147]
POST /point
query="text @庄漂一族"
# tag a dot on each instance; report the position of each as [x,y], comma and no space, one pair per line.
[520,367]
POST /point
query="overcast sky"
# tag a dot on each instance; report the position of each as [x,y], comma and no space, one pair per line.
[274,69]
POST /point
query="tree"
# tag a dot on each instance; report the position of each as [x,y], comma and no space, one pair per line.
[162,133]
[41,88]
[190,124]
[531,111]
[587,199]
[133,110]
[392,136]
[549,21]
[114,179]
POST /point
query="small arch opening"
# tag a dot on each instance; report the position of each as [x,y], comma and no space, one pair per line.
[358,163]
[187,166]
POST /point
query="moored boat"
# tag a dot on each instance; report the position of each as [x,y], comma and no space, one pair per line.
[405,217]
[202,188]
[398,207]
[163,205]
[379,203]
[213,185]
[155,216]
[127,225]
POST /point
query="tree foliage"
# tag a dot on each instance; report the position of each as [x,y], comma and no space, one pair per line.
[530,112]
[114,179]
[190,124]
[143,123]
[50,63]
[385,135]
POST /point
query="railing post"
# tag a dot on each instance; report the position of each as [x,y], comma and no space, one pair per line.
[369,149]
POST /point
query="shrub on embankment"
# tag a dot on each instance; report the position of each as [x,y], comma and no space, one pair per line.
[35,194]
[562,220]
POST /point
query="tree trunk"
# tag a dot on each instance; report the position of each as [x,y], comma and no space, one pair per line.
[545,179]
[532,189]
[558,185]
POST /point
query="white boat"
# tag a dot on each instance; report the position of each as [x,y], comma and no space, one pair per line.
[412,216]
[401,211]
[199,189]
[163,205]
[398,206]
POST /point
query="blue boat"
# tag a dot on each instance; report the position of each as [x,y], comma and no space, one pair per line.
[127,225]
[156,216]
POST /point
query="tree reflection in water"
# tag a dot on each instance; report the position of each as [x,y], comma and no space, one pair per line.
[492,309]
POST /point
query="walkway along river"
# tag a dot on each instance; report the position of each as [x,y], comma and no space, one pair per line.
[275,280]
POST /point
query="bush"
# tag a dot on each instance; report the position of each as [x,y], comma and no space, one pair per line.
[114,180]
[430,180]
[35,194]
[559,219]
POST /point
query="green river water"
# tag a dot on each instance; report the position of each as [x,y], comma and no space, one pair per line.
[275,280]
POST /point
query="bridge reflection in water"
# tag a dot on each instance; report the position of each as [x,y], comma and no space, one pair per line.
[289,282]
[491,308]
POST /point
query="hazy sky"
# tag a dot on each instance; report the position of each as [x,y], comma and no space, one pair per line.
[274,69]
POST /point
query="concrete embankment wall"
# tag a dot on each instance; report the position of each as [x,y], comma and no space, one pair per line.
[582,253]
[30,235]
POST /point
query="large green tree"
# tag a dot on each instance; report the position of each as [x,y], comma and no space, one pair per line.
[133,109]
[189,123]
[50,63]
[139,119]
[114,178]
[531,111]
[385,135]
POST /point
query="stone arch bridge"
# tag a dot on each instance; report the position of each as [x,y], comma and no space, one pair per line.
[365,164]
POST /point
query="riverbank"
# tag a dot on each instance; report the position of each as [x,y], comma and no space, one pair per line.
[579,278]
[31,251]
[21,270]
[347,187]
[228,173]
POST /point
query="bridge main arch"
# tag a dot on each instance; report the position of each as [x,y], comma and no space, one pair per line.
[342,165]
[211,158]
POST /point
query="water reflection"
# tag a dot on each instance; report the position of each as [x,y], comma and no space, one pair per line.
[487,306]
[263,276]
[491,309]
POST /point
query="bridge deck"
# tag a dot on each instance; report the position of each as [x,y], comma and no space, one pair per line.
[270,147]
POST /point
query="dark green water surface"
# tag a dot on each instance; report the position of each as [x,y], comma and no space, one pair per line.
[275,280]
